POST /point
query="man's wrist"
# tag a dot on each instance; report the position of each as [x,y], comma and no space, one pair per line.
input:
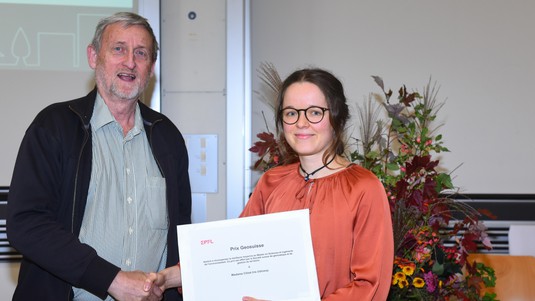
[179,288]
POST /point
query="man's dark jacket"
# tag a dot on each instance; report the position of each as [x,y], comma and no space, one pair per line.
[48,193]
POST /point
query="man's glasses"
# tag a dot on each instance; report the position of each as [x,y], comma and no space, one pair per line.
[312,114]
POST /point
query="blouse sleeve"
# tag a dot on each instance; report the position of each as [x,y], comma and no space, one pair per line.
[373,253]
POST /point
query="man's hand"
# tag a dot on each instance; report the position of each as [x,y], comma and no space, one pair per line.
[130,286]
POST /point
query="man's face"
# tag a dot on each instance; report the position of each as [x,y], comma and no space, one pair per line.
[123,66]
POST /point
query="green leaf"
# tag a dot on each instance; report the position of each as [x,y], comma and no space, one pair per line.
[443,181]
[392,166]
[372,155]
[489,297]
[438,268]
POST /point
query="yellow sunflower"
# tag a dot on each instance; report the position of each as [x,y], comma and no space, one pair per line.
[408,269]
[418,282]
[397,277]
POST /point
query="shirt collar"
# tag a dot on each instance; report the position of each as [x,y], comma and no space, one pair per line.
[102,116]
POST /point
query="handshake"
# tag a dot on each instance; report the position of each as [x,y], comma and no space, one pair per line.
[141,286]
[126,284]
[157,283]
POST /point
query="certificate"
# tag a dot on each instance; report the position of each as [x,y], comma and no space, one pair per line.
[267,257]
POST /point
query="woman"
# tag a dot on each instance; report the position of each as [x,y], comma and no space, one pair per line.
[349,214]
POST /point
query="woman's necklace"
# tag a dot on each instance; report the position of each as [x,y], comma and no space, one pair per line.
[308,175]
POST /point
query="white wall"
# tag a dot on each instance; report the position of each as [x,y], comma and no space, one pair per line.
[480,52]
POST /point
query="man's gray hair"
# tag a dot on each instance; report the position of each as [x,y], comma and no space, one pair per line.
[127,19]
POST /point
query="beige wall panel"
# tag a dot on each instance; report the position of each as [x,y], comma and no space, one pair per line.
[200,114]
[193,49]
[193,78]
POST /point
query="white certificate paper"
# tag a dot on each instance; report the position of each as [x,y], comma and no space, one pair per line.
[268,257]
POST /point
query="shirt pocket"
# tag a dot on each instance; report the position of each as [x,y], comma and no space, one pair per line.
[157,203]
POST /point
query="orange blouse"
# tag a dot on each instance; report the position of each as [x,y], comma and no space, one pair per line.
[350,223]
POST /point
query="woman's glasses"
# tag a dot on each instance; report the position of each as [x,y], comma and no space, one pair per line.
[313,114]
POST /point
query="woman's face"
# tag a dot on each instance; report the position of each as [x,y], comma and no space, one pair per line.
[306,138]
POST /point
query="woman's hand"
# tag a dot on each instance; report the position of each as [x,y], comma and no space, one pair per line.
[164,279]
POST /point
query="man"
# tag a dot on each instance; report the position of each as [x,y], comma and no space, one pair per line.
[100,182]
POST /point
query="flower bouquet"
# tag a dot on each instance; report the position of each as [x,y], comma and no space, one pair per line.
[433,233]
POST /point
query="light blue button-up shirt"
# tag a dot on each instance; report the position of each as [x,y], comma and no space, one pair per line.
[125,218]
